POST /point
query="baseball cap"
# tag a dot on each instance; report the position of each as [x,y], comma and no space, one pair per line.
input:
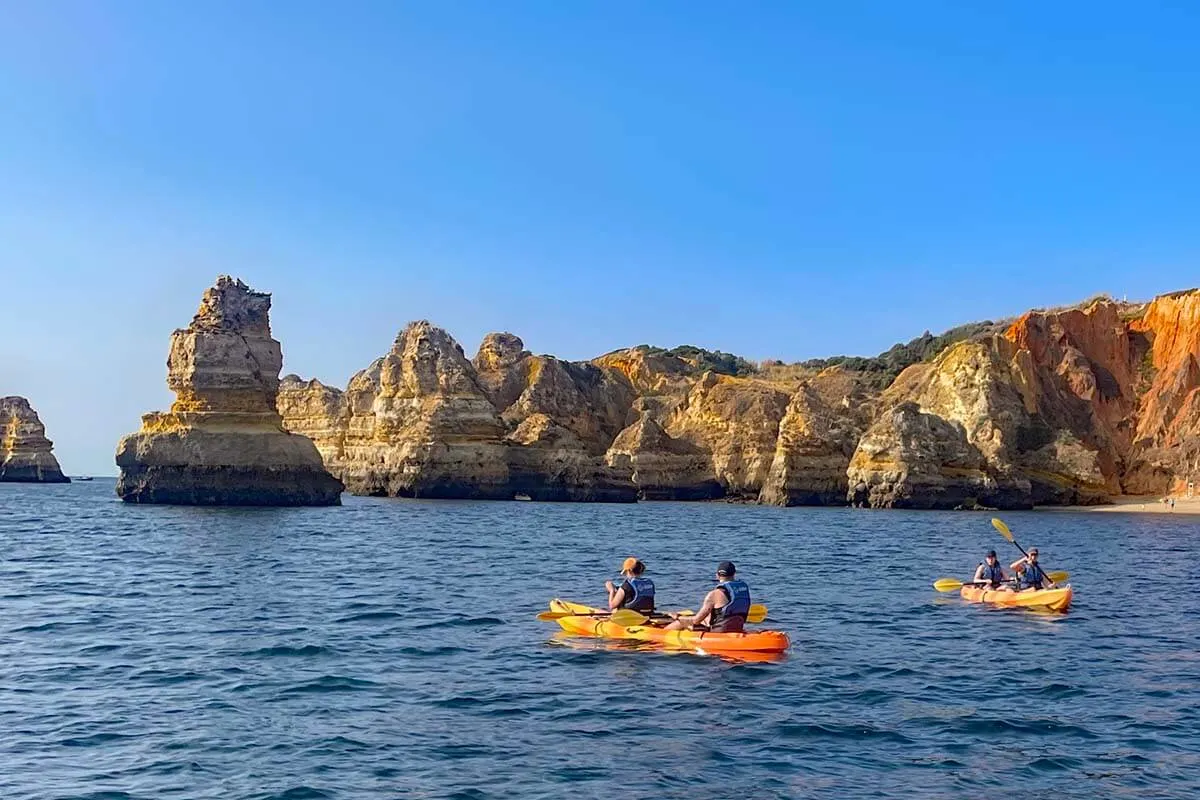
[630,564]
[991,553]
[726,568]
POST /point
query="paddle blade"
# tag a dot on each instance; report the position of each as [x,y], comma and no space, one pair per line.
[1059,577]
[1000,526]
[627,618]
[947,584]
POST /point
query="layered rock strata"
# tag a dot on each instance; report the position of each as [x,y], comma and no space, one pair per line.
[424,421]
[223,441]
[817,437]
[1063,406]
[25,453]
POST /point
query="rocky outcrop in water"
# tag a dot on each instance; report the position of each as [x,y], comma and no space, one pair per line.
[25,452]
[223,441]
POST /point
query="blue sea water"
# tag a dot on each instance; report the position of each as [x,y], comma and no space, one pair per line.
[388,648]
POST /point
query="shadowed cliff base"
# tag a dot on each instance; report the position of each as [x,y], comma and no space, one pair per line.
[1070,405]
[227,486]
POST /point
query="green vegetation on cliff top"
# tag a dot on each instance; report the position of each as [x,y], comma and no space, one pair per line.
[883,368]
[878,371]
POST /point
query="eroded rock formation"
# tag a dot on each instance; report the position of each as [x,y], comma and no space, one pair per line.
[223,441]
[423,421]
[817,436]
[25,452]
[1056,407]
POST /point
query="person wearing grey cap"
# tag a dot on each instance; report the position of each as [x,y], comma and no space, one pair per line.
[1030,574]
[724,609]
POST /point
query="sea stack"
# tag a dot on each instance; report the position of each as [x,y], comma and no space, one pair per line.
[223,441]
[25,452]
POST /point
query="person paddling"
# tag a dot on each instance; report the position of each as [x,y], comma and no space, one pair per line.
[1030,574]
[989,571]
[724,608]
[632,589]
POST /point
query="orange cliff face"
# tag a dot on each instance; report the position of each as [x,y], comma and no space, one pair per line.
[1166,452]
[1124,379]
[1086,363]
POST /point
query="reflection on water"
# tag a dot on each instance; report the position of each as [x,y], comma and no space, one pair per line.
[563,639]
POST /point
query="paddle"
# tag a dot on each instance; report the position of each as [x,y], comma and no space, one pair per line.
[1007,534]
[950,584]
[622,616]
[758,612]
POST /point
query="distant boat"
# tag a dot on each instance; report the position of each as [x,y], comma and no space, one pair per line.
[84,478]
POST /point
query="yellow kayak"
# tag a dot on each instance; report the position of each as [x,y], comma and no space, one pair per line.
[706,641]
[1057,599]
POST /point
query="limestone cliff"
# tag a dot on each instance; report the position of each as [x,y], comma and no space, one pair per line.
[911,459]
[417,423]
[223,441]
[663,467]
[735,420]
[25,452]
[817,436]
[423,421]
[1069,405]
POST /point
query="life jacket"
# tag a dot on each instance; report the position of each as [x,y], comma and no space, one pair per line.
[993,575]
[639,594]
[1031,577]
[732,615]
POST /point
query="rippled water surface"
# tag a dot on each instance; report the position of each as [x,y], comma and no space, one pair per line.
[389,649]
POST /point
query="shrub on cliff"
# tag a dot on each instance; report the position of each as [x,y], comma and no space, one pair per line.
[715,360]
[882,369]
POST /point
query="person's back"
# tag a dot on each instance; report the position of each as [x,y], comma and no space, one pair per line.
[731,616]
[632,589]
[724,609]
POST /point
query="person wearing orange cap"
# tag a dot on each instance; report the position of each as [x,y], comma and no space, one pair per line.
[632,589]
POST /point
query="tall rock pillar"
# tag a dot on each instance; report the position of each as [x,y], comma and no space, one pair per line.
[223,441]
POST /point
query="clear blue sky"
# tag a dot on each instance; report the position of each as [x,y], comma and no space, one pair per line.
[782,180]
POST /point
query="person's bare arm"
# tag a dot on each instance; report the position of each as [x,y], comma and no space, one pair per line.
[1017,563]
[978,574]
[615,598]
[706,610]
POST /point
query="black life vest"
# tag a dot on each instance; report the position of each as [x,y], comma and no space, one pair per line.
[639,595]
[732,615]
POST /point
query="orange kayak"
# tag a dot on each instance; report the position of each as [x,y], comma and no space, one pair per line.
[1057,599]
[703,641]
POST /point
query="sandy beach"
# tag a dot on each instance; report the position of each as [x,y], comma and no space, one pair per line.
[1143,505]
